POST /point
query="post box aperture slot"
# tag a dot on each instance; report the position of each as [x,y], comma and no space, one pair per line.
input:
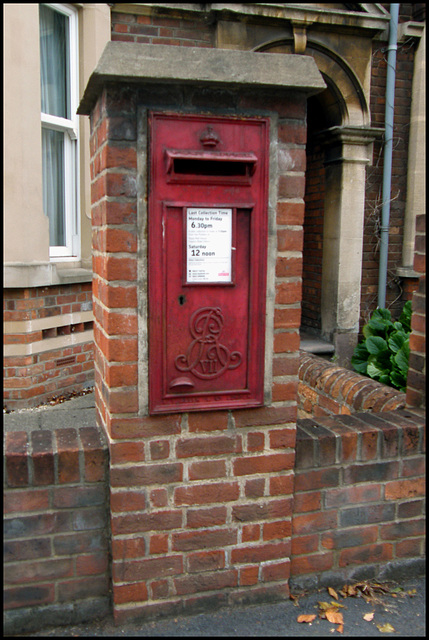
[209,245]
[203,167]
[210,166]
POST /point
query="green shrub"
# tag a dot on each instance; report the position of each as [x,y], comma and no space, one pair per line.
[384,353]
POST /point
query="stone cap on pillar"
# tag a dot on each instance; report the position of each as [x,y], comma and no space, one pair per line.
[164,64]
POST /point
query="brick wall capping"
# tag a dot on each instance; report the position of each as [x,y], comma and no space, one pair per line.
[146,63]
[38,448]
[337,389]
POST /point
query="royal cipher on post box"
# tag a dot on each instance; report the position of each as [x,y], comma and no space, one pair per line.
[207,237]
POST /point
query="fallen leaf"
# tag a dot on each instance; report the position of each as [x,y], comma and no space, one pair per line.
[348,590]
[385,628]
[332,593]
[340,628]
[369,590]
[368,616]
[412,592]
[328,605]
[334,616]
[295,600]
[306,617]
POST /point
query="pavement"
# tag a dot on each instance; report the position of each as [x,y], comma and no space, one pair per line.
[402,607]
[401,612]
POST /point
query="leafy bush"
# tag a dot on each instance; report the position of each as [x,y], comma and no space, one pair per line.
[384,353]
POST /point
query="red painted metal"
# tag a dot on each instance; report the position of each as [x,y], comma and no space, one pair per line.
[207,335]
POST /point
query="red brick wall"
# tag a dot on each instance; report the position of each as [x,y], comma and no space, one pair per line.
[156,29]
[359,497]
[36,377]
[357,511]
[326,389]
[56,544]
[313,237]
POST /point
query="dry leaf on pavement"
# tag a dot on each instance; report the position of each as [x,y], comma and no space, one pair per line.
[348,590]
[323,606]
[295,600]
[306,617]
[334,616]
[332,593]
[368,616]
[385,628]
[369,590]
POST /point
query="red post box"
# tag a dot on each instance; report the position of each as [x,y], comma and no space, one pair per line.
[207,253]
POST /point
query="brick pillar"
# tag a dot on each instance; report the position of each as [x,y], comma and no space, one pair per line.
[201,502]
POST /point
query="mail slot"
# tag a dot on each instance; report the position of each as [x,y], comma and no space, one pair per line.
[207,252]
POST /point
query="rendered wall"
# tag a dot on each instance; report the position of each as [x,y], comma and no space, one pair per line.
[26,229]
[48,340]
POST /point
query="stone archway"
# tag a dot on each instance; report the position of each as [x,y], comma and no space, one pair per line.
[342,130]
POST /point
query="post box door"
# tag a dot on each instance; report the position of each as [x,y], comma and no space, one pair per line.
[207,261]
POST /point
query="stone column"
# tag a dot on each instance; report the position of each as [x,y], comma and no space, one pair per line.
[348,151]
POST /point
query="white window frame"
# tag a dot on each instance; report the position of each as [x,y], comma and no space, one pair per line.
[70,128]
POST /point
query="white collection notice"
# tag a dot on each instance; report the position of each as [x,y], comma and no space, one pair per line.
[208,245]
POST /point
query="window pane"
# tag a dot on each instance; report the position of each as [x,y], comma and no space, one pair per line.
[54,62]
[53,184]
